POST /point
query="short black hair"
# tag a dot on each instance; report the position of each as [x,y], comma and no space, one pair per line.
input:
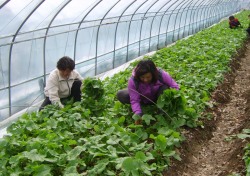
[231,17]
[146,66]
[65,63]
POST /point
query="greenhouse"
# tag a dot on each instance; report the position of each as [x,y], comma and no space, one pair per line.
[191,39]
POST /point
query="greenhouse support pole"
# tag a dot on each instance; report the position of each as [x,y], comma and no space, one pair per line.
[185,25]
[130,26]
[217,16]
[97,34]
[202,16]
[77,31]
[149,43]
[210,12]
[214,10]
[45,39]
[161,22]
[206,13]
[139,52]
[6,2]
[168,23]
[231,6]
[189,4]
[178,11]
[197,16]
[10,52]
[113,66]
[192,23]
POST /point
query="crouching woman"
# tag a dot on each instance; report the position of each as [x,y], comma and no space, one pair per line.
[63,82]
[145,85]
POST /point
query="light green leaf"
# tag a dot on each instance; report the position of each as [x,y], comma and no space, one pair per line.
[121,120]
[130,164]
[71,171]
[99,167]
[52,123]
[136,117]
[33,155]
[147,118]
[73,154]
[243,136]
[112,150]
[42,170]
[141,156]
[109,131]
[161,142]
[246,131]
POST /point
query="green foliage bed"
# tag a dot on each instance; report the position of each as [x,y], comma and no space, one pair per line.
[97,136]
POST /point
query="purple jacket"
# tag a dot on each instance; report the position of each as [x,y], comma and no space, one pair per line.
[148,90]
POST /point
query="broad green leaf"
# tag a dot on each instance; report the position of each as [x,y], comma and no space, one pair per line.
[176,156]
[169,153]
[33,155]
[3,143]
[108,172]
[110,130]
[121,120]
[73,154]
[99,167]
[136,117]
[14,160]
[141,156]
[96,128]
[52,123]
[141,134]
[130,164]
[243,136]
[112,151]
[246,131]
[42,170]
[161,142]
[71,171]
[147,118]
[76,116]
[113,140]
[30,125]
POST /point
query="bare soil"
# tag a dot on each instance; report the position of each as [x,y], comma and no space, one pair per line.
[206,151]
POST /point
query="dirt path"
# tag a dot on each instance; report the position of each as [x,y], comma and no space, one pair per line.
[205,151]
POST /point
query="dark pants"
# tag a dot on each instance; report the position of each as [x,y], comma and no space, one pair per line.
[75,93]
[248,31]
[123,95]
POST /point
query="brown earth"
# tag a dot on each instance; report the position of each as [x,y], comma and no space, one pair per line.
[206,151]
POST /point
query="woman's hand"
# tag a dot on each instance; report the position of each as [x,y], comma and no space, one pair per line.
[138,122]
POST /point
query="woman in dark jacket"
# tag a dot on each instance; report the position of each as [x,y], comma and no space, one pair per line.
[233,22]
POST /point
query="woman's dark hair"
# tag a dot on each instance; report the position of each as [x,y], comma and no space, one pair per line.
[65,63]
[231,17]
[146,66]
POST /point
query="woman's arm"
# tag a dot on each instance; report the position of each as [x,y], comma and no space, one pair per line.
[135,98]
[168,80]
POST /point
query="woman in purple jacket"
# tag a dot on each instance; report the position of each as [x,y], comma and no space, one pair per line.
[145,86]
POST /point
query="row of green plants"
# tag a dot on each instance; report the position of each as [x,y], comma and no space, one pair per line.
[97,136]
